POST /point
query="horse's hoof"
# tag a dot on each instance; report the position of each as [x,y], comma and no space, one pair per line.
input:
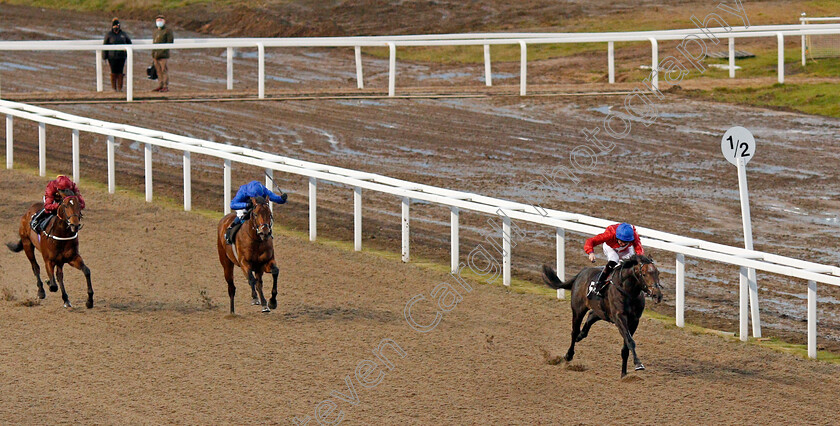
[53,287]
[640,367]
[256,301]
[272,304]
[568,357]
[67,305]
[89,304]
[266,310]
[42,294]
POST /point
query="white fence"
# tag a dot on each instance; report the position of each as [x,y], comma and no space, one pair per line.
[560,221]
[392,42]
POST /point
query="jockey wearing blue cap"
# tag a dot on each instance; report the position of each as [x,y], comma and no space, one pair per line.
[620,242]
[242,205]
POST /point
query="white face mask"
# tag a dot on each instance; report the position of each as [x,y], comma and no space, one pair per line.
[159,24]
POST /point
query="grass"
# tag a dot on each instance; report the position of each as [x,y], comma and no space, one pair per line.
[818,98]
[518,285]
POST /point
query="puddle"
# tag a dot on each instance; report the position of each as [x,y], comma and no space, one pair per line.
[282,79]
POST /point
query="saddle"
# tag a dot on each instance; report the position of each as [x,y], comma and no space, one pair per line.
[230,233]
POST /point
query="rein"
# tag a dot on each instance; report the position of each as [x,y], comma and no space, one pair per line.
[67,219]
[618,272]
[256,229]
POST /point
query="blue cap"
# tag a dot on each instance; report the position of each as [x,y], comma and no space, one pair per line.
[624,232]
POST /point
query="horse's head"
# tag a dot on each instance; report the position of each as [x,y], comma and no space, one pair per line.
[70,211]
[647,276]
[262,219]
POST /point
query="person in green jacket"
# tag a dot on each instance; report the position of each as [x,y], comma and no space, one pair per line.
[162,34]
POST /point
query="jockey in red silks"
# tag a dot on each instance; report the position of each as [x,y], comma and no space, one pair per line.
[620,242]
[52,199]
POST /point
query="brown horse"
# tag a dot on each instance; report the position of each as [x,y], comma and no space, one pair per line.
[252,250]
[622,304]
[58,244]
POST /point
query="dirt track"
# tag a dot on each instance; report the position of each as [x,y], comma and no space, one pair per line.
[151,350]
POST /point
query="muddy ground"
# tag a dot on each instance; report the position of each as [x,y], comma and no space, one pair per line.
[159,346]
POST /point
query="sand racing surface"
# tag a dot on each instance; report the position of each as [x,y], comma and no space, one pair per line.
[155,350]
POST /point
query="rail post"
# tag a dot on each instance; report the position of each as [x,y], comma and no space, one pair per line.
[112,184]
[360,80]
[99,61]
[75,148]
[261,70]
[187,182]
[405,225]
[781,60]
[680,290]
[523,68]
[488,75]
[229,68]
[611,61]
[129,74]
[392,69]
[654,65]
[269,183]
[147,154]
[227,185]
[803,22]
[560,265]
[10,141]
[812,319]
[313,210]
[454,240]
[506,251]
[731,57]
[357,218]
[42,149]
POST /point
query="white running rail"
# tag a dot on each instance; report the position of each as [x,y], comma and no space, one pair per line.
[456,200]
[392,42]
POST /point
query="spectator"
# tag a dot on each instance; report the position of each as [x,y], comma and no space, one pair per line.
[161,56]
[116,58]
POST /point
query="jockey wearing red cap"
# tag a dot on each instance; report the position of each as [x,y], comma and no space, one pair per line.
[52,199]
[620,242]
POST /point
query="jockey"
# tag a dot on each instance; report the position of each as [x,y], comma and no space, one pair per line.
[620,242]
[242,205]
[52,199]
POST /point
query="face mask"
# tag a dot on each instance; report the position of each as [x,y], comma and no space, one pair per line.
[159,24]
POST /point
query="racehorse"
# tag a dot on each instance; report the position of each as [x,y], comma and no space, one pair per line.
[252,250]
[622,304]
[58,244]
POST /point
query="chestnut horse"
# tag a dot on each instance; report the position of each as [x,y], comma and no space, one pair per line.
[252,250]
[58,244]
[622,304]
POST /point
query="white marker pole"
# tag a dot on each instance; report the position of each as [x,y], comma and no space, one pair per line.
[738,146]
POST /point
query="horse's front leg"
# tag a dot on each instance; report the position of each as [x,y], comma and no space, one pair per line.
[275,272]
[624,354]
[252,281]
[263,302]
[59,274]
[79,264]
[624,328]
[50,265]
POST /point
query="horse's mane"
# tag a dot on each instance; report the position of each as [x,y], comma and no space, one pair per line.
[636,259]
[260,200]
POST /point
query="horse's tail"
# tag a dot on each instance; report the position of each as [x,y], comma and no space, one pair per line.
[552,280]
[15,247]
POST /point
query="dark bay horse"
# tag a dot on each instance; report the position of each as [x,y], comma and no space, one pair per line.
[622,304]
[58,244]
[253,251]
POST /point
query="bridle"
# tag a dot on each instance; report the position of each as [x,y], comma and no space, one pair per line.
[62,211]
[256,229]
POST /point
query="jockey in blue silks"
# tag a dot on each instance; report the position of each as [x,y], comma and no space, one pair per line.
[241,203]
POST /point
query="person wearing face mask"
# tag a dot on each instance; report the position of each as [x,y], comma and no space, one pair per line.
[162,34]
[116,58]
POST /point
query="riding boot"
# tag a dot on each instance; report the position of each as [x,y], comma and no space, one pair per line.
[230,233]
[596,287]
[114,81]
[33,223]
